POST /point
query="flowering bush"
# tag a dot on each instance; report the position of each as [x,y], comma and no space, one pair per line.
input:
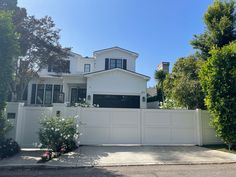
[47,155]
[8,148]
[59,134]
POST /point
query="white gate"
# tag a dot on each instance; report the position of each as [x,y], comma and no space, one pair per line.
[137,126]
[169,127]
[110,126]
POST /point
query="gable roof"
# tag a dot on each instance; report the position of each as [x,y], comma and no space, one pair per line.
[117,69]
[115,48]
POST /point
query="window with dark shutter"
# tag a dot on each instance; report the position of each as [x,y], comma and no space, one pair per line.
[106,63]
[124,64]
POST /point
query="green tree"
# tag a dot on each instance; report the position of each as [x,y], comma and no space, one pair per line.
[39,45]
[160,77]
[220,27]
[218,79]
[182,86]
[9,50]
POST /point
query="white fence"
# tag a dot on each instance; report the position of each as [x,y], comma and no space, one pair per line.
[119,126]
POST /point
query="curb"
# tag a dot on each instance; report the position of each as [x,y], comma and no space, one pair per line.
[44,166]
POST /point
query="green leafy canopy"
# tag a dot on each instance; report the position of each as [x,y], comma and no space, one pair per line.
[218,79]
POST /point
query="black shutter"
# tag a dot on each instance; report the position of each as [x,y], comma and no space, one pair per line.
[33,94]
[106,63]
[124,64]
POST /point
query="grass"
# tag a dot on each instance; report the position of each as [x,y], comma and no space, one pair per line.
[221,147]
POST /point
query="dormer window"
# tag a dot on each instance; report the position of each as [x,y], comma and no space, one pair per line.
[111,63]
[115,63]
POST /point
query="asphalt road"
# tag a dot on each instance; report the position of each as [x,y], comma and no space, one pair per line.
[226,170]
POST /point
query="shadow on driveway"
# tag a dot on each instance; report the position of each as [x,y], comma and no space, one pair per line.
[141,155]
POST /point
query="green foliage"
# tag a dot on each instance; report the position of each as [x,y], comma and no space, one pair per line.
[170,104]
[218,80]
[39,46]
[220,27]
[8,148]
[5,126]
[57,132]
[182,86]
[160,76]
[9,49]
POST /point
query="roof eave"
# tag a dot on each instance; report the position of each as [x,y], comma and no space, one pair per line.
[130,72]
[119,48]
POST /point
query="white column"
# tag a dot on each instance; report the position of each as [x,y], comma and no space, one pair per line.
[66,91]
[20,122]
[199,126]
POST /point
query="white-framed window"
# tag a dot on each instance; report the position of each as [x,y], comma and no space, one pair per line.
[111,63]
[46,94]
[86,68]
[115,63]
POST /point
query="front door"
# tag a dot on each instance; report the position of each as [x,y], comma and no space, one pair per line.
[78,95]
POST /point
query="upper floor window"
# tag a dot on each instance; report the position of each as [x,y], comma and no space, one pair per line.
[111,63]
[86,68]
[60,66]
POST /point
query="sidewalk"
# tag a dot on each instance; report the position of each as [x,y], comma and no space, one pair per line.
[88,156]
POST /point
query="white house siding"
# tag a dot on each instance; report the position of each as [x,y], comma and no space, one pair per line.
[117,54]
[122,84]
[117,83]
[78,66]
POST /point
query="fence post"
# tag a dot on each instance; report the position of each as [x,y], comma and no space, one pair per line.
[20,123]
[199,126]
[141,116]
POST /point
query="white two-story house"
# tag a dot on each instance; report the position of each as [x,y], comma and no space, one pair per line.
[107,79]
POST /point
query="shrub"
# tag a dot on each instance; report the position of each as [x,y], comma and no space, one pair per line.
[8,148]
[58,133]
[5,126]
[218,79]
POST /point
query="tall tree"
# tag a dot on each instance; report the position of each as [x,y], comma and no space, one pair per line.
[160,77]
[220,24]
[9,50]
[218,79]
[183,86]
[39,45]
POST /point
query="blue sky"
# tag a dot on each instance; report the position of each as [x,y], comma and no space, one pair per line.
[159,30]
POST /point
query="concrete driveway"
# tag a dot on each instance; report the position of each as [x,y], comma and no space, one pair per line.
[87,156]
[142,155]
